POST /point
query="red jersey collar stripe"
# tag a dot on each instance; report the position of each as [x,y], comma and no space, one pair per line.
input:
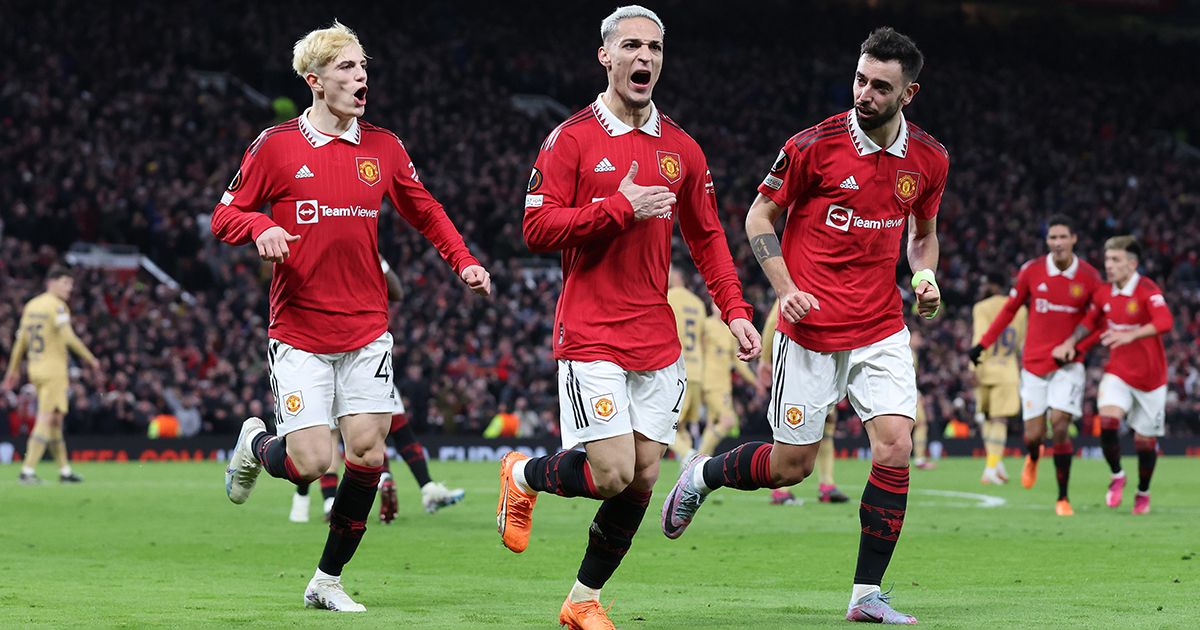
[866,146]
[615,127]
[1052,269]
[353,135]
[1130,286]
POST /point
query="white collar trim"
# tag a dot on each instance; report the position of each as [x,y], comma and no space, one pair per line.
[1052,269]
[866,146]
[616,127]
[1130,286]
[317,139]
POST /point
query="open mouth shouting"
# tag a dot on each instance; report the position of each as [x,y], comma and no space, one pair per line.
[640,80]
[360,97]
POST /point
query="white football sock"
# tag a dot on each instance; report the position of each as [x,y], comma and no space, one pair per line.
[321,575]
[698,478]
[581,593]
[26,470]
[519,477]
[65,470]
[862,590]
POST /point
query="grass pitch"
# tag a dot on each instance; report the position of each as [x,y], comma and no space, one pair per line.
[159,545]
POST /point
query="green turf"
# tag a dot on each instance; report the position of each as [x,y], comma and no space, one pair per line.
[154,545]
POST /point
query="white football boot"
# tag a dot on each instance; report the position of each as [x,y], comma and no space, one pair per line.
[435,496]
[242,471]
[328,594]
[299,509]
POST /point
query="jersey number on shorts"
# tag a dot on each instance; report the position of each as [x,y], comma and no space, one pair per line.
[679,401]
[385,368]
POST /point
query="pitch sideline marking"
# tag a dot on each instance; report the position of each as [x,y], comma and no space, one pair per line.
[984,500]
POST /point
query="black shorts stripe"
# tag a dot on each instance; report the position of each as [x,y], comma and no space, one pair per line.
[572,385]
[780,351]
[272,348]
[579,400]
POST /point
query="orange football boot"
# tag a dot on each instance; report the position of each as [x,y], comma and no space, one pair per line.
[584,616]
[1029,473]
[514,513]
[1063,508]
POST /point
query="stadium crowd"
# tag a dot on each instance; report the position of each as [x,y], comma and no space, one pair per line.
[122,126]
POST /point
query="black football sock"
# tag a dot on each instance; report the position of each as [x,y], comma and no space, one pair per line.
[611,535]
[1033,448]
[413,453]
[566,473]
[1110,444]
[329,485]
[1147,452]
[271,452]
[881,515]
[302,489]
[348,520]
[1062,466]
[747,467]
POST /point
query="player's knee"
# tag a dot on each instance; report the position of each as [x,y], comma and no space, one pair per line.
[645,478]
[310,464]
[371,455]
[611,481]
[789,471]
[892,450]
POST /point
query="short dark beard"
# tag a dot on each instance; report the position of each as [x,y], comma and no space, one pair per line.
[879,119]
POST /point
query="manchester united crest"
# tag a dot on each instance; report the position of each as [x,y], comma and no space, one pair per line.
[669,166]
[368,170]
[1076,290]
[604,406]
[794,416]
[293,403]
[908,184]
[1131,308]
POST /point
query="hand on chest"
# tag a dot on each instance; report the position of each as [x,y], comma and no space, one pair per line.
[602,169]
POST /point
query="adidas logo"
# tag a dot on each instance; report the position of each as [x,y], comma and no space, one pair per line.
[849,184]
[604,166]
[304,172]
[1043,288]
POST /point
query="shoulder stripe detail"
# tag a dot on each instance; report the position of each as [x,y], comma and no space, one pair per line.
[933,145]
[579,117]
[668,120]
[291,125]
[924,136]
[811,140]
[825,127]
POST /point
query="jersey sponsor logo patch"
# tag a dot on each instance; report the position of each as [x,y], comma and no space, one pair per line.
[1042,305]
[604,406]
[293,403]
[773,182]
[535,181]
[793,415]
[908,184]
[604,166]
[306,211]
[1042,287]
[533,201]
[1157,300]
[669,166]
[304,172]
[368,170]
[838,217]
[236,182]
[781,162]
[226,198]
[709,188]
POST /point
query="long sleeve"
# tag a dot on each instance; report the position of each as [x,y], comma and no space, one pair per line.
[424,213]
[75,344]
[20,345]
[1160,315]
[551,222]
[236,219]
[1006,314]
[705,238]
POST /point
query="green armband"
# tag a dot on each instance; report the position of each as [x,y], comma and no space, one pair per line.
[926,275]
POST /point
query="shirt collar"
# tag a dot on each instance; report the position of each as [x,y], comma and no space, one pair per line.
[317,139]
[1052,269]
[1130,286]
[615,127]
[866,146]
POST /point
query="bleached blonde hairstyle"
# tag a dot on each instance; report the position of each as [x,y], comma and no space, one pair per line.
[318,48]
[608,27]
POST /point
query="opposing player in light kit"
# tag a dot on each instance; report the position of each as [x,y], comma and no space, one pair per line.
[849,186]
[689,326]
[605,191]
[720,361]
[1129,316]
[1056,289]
[44,335]
[996,376]
[325,175]
[827,490]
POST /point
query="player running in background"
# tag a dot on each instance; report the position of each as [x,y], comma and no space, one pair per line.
[921,458]
[1129,317]
[44,336]
[827,490]
[606,189]
[325,175]
[689,325]
[996,376]
[849,186]
[720,359]
[1056,289]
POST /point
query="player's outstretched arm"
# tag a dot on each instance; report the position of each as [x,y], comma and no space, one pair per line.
[794,304]
[923,252]
[419,208]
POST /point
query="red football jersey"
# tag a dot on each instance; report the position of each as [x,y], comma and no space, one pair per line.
[613,305]
[848,203]
[1142,364]
[329,295]
[1057,303]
